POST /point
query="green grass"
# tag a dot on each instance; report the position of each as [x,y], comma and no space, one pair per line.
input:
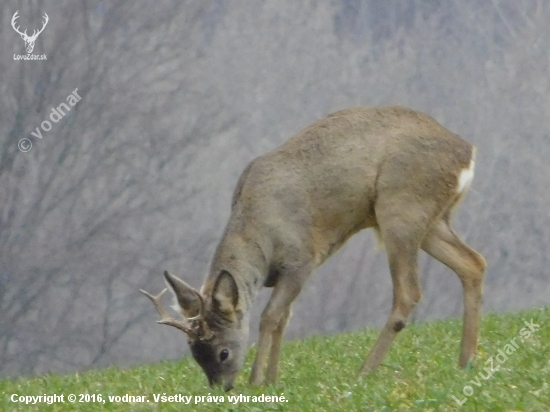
[319,374]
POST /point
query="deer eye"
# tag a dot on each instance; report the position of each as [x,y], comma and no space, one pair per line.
[224,354]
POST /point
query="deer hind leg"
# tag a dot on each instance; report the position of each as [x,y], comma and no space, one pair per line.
[443,244]
[273,323]
[402,243]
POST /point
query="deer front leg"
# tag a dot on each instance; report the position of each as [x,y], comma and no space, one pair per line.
[267,326]
[273,324]
[276,342]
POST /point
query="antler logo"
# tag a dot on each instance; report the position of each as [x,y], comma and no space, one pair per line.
[29,40]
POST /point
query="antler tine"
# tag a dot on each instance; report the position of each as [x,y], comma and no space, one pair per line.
[198,316]
[204,332]
[13,23]
[35,33]
[46,19]
[14,18]
[166,319]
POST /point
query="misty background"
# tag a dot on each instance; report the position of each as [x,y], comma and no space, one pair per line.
[178,96]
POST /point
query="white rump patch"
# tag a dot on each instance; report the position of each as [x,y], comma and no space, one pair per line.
[465,178]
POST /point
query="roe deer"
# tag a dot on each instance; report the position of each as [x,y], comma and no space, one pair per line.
[388,168]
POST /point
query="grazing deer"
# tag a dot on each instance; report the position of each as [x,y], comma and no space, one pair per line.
[392,169]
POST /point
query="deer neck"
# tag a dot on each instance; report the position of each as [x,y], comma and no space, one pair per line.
[246,257]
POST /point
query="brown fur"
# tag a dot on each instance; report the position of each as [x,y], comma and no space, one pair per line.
[388,168]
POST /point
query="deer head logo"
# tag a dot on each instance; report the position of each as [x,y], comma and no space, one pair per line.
[29,40]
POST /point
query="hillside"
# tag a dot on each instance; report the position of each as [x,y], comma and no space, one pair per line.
[318,373]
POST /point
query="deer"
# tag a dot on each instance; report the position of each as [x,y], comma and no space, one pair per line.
[29,40]
[392,169]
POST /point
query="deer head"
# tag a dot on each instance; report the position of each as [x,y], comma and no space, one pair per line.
[217,331]
[29,40]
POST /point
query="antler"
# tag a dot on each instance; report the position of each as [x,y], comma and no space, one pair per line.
[165,318]
[46,20]
[14,18]
[34,33]
[203,332]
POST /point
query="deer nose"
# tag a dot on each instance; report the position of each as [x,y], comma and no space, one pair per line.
[216,380]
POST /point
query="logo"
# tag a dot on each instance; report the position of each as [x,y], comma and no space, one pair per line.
[29,40]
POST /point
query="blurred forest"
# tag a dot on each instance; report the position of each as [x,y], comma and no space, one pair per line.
[178,96]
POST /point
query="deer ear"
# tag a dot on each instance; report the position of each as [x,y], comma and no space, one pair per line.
[188,300]
[225,295]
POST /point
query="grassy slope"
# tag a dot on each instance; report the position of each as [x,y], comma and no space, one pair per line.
[319,374]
